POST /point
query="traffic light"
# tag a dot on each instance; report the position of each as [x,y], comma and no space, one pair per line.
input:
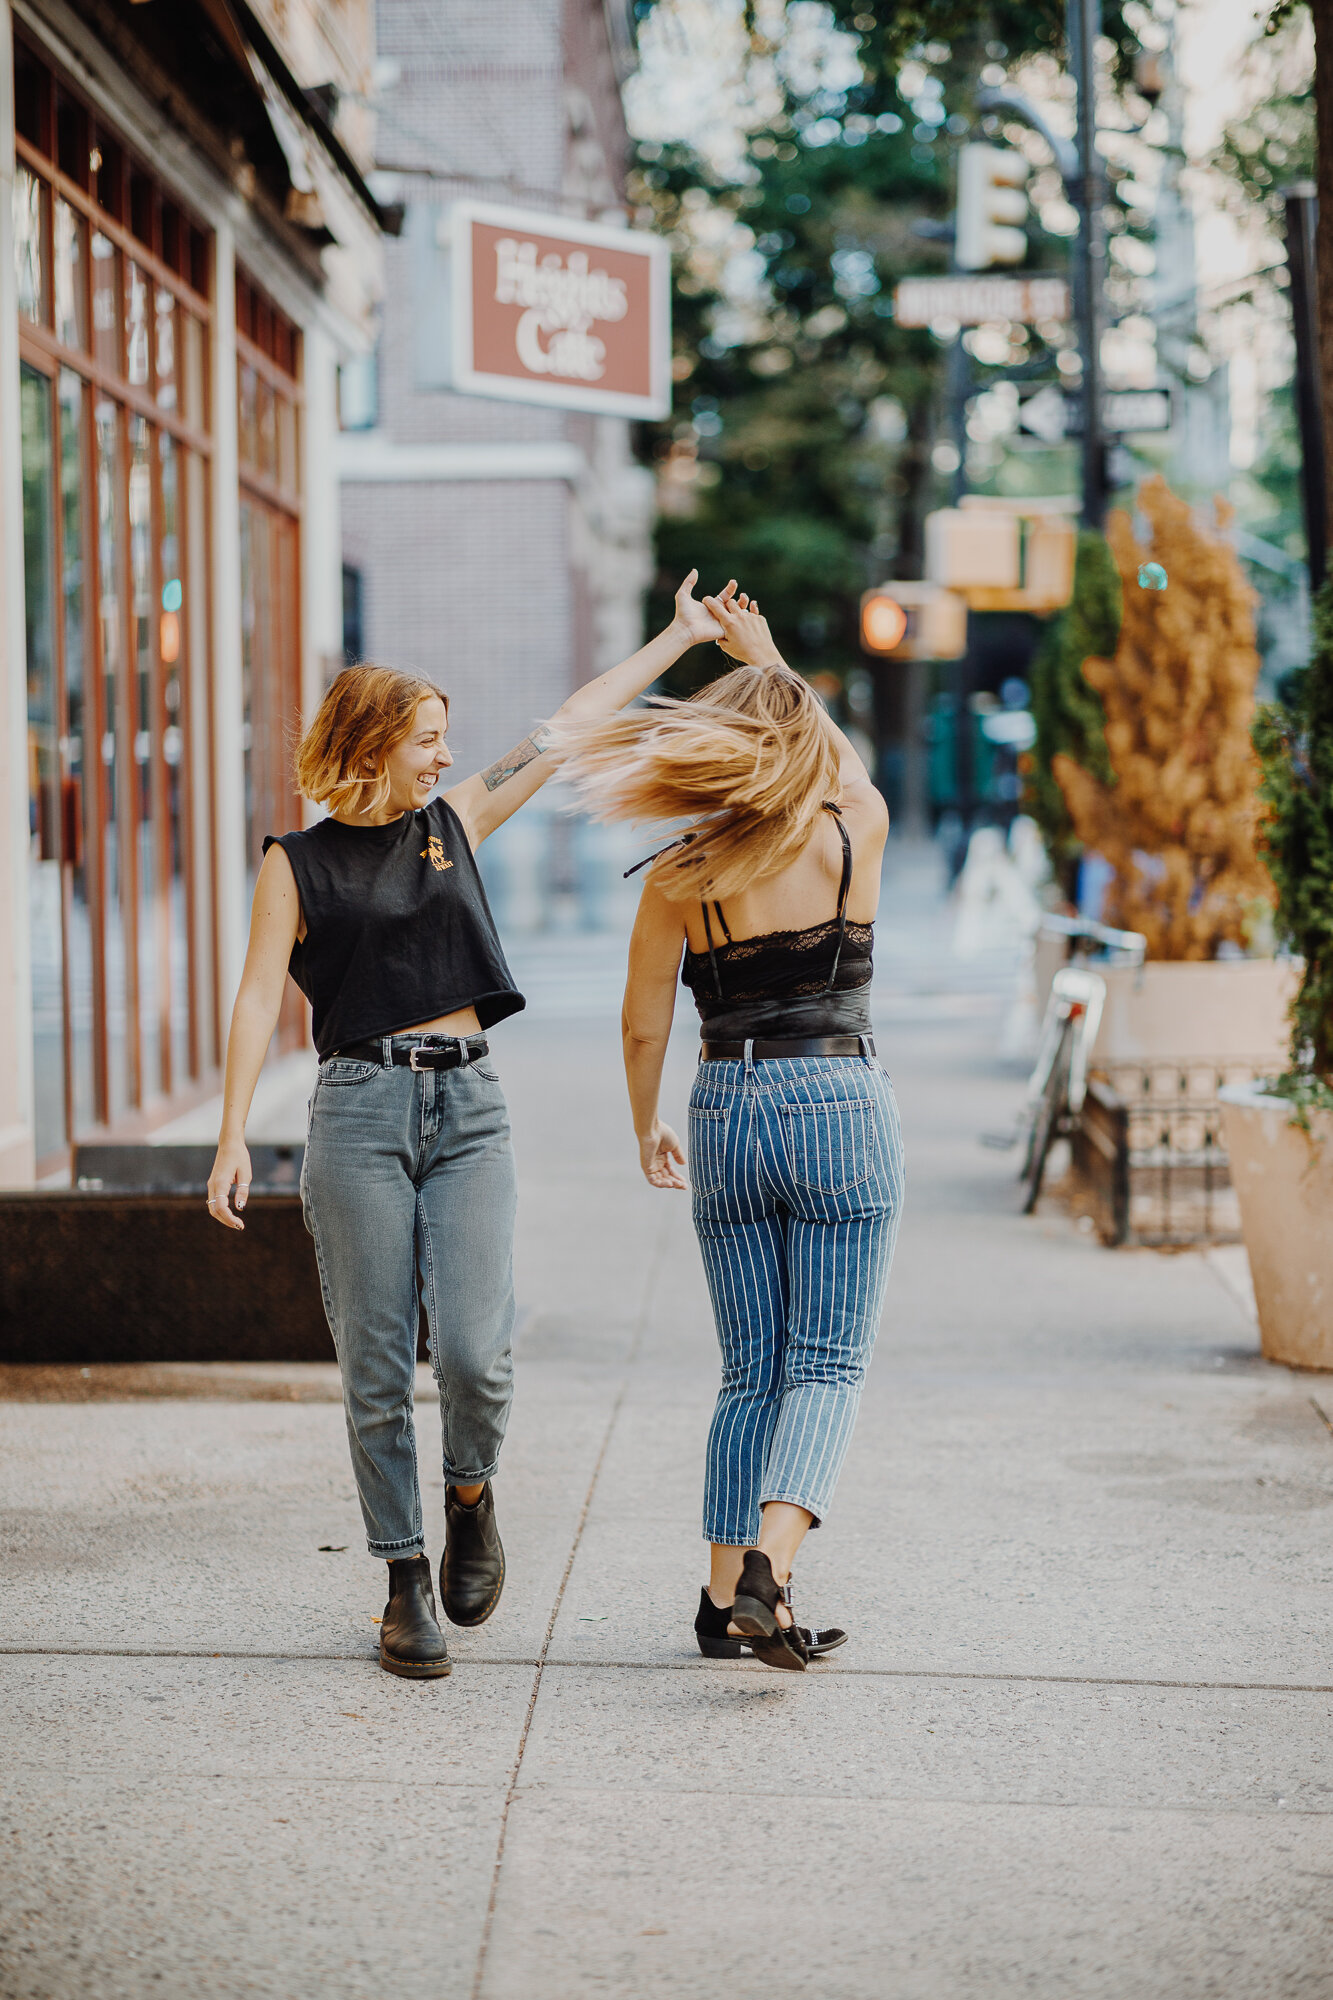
[913,621]
[991,207]
[883,622]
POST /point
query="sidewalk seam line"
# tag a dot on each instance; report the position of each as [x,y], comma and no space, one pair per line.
[824,1670]
[631,1356]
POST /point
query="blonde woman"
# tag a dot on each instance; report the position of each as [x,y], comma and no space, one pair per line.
[379,913]
[795,1152]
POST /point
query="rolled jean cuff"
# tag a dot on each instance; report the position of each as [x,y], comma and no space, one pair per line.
[795,1500]
[398,1551]
[452,1478]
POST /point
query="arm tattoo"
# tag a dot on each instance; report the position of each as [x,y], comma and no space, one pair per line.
[508,767]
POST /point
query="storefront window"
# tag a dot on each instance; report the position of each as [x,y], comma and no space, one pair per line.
[71,262]
[114,339]
[44,887]
[268,389]
[30,198]
[78,782]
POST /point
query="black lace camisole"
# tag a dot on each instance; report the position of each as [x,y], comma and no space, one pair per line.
[786,983]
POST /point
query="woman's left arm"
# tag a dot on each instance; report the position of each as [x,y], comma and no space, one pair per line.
[489,798]
[650,1000]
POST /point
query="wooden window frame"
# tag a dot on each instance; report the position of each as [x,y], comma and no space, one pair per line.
[41,349]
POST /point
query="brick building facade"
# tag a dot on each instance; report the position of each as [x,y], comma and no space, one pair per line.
[499,547]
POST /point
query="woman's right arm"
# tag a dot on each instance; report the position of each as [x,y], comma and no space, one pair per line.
[650,999]
[274,922]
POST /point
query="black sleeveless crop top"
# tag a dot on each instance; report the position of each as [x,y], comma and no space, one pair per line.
[398,929]
[810,982]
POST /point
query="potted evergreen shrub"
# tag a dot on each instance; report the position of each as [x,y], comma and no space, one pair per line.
[1173,803]
[1280,1134]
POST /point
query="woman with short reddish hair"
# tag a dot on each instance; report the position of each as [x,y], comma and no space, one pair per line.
[379,912]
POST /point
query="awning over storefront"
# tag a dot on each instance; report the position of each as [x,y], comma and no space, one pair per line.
[218,66]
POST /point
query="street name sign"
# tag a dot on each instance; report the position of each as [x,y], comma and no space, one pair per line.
[970,301]
[1136,410]
[1052,413]
[545,310]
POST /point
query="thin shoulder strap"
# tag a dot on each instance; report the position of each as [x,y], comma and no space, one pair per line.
[712,954]
[648,859]
[843,888]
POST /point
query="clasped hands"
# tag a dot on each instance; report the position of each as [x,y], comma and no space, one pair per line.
[731,618]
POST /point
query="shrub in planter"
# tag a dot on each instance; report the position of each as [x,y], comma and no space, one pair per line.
[1067,711]
[1295,746]
[1178,818]
[1280,1134]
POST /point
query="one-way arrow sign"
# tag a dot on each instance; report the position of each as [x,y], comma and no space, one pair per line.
[1052,413]
[1045,414]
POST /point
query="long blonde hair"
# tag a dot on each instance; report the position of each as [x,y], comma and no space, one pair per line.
[340,760]
[750,760]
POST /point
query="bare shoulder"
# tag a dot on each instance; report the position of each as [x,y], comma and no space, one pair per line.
[659,926]
[276,875]
[276,916]
[863,808]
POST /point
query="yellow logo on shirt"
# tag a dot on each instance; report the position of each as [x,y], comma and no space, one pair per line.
[433,852]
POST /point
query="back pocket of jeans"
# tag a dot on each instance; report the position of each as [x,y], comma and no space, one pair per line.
[707,1150]
[831,1145]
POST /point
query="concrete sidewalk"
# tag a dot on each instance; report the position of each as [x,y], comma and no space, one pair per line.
[1078,1748]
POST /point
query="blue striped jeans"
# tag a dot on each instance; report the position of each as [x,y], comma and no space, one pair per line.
[796,1169]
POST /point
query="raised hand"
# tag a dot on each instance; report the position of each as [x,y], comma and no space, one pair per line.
[696,624]
[744,634]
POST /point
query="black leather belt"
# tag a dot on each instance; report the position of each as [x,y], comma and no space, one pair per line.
[429,1052]
[802,1045]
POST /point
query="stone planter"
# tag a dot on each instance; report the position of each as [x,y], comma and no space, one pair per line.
[1219,1011]
[1284,1179]
[1152,1151]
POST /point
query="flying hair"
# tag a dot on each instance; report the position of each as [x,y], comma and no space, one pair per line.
[340,762]
[749,760]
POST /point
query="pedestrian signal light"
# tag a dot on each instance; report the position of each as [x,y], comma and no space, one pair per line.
[883,622]
[991,207]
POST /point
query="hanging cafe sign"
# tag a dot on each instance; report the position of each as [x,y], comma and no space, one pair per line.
[544,310]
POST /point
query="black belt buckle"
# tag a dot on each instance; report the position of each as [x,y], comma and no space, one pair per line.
[457,1053]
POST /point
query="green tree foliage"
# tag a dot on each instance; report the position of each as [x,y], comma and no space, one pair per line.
[891,32]
[1295,746]
[1068,713]
[802,443]
[799,453]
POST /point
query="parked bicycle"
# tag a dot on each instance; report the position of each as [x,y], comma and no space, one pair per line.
[1059,1080]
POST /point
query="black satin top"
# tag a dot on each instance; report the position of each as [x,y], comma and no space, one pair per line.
[786,983]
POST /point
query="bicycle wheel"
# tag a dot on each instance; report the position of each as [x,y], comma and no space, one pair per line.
[1048,1115]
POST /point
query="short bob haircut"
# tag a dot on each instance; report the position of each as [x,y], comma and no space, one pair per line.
[340,761]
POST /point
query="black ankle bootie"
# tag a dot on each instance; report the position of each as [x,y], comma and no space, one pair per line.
[754,1614]
[411,1642]
[716,1643]
[472,1569]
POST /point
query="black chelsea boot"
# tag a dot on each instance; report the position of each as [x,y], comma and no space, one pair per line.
[411,1642]
[472,1569]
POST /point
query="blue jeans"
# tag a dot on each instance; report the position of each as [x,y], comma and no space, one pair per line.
[796,1167]
[405,1173]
